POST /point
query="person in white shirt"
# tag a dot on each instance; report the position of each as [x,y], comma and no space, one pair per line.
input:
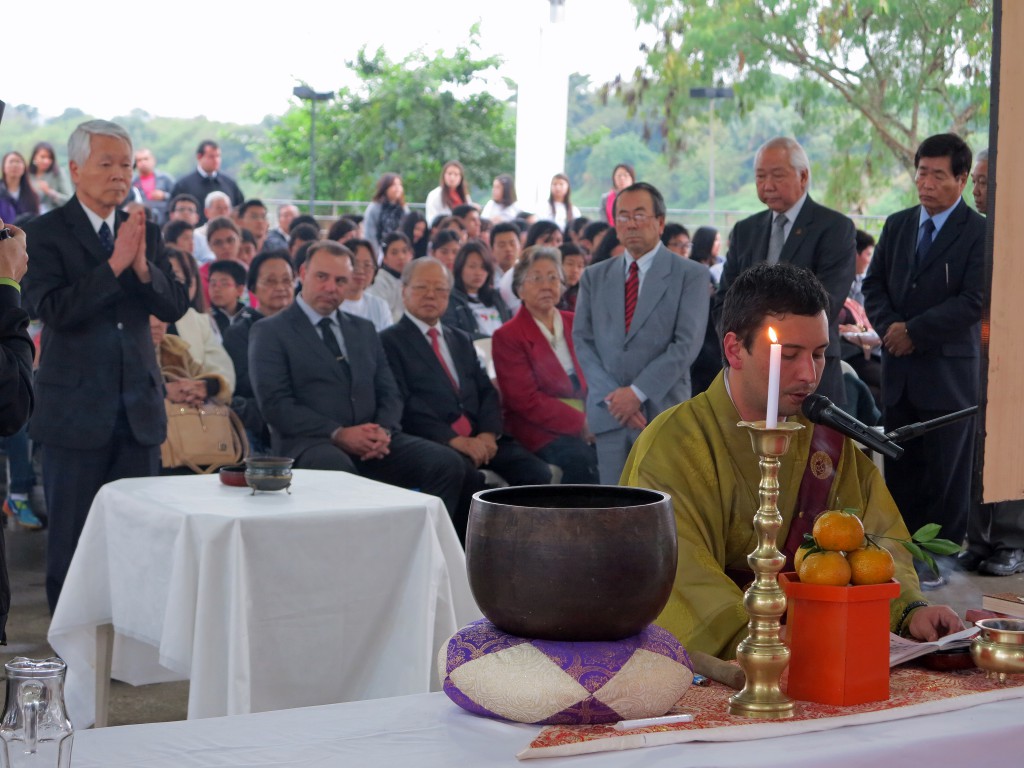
[387,285]
[357,301]
[450,193]
[502,206]
[216,205]
[559,207]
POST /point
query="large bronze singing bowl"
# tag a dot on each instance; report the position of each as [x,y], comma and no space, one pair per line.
[571,562]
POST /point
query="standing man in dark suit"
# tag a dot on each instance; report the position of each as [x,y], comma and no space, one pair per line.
[96,276]
[207,178]
[324,387]
[448,397]
[639,324]
[796,230]
[923,293]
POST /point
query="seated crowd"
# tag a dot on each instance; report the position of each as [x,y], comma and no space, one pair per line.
[506,288]
[440,353]
[451,347]
[456,331]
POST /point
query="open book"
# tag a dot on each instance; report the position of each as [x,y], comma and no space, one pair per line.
[901,649]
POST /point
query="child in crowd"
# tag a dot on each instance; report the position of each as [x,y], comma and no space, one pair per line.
[227,287]
[573,263]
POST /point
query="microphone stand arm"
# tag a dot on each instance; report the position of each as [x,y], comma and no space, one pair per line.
[918,429]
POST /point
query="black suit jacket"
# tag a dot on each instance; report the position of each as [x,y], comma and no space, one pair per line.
[304,394]
[431,402]
[16,396]
[97,353]
[236,344]
[200,186]
[940,300]
[821,240]
[16,354]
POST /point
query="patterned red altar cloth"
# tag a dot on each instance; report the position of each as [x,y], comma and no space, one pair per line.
[912,692]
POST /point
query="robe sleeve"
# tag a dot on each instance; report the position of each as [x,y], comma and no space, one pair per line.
[705,610]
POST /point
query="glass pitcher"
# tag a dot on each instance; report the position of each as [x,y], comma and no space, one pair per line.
[35,731]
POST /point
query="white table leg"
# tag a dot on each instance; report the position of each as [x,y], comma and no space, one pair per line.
[104,660]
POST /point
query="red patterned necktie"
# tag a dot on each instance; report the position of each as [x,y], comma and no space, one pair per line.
[461,425]
[433,334]
[632,292]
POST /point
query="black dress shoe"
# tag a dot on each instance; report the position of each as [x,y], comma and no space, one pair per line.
[1005,562]
[969,560]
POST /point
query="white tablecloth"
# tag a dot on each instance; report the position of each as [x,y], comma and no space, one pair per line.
[428,731]
[343,590]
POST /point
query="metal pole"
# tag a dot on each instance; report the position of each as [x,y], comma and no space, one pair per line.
[312,155]
[711,94]
[711,163]
[306,93]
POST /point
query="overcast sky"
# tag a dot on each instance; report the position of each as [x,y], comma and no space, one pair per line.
[239,61]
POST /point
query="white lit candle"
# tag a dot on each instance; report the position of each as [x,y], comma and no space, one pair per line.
[771,419]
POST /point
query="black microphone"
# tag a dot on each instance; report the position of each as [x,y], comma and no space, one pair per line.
[821,410]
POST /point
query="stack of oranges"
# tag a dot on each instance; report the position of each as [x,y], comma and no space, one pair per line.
[838,556]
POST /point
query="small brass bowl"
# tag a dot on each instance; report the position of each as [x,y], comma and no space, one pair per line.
[999,648]
[268,473]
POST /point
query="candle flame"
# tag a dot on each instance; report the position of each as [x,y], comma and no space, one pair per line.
[772,336]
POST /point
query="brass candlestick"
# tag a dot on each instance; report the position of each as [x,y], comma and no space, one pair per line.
[762,655]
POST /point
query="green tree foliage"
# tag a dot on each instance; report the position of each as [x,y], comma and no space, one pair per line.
[408,117]
[883,74]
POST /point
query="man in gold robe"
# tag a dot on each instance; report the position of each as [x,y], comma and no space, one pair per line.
[697,453]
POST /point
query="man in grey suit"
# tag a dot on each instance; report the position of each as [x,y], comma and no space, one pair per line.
[639,324]
[324,387]
[796,230]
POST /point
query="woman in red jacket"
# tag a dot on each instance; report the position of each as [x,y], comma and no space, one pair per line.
[542,386]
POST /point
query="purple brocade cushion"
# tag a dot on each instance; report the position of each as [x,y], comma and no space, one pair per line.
[493,674]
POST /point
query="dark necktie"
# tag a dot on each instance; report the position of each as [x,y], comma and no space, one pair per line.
[927,238]
[106,239]
[632,292]
[461,425]
[330,339]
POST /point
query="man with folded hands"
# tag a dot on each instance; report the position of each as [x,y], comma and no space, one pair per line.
[326,391]
[448,397]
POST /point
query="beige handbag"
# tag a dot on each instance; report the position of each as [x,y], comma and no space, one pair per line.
[203,438]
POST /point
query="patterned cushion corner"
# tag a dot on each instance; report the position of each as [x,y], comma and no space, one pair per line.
[493,674]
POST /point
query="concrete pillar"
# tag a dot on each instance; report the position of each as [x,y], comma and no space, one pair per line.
[542,108]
